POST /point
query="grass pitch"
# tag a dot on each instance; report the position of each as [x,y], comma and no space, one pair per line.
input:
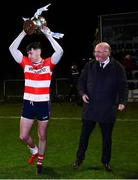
[62,141]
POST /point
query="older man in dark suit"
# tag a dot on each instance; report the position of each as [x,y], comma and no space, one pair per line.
[103,87]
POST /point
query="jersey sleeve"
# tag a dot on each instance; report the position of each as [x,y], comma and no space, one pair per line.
[49,61]
[24,62]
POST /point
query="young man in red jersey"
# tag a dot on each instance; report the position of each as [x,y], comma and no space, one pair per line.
[37,74]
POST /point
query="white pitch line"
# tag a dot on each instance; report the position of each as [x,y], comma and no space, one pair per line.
[61,118]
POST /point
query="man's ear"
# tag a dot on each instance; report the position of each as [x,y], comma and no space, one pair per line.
[29,52]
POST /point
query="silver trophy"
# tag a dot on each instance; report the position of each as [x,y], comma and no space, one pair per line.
[35,24]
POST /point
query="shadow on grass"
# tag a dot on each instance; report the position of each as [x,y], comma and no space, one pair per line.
[51,172]
[68,172]
[95,168]
[59,172]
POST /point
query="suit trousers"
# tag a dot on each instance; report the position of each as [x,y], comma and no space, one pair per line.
[106,130]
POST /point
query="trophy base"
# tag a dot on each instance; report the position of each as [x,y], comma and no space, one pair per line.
[34,25]
[29,27]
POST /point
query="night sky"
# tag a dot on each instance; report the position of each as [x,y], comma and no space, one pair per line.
[77,20]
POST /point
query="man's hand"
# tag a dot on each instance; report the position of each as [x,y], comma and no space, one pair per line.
[121,107]
[46,30]
[85,98]
[49,33]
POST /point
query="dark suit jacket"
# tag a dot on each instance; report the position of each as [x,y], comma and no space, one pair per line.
[106,89]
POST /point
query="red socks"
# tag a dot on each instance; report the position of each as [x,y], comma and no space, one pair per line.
[40,159]
[32,159]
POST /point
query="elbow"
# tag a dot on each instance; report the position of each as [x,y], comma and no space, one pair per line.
[61,52]
[10,48]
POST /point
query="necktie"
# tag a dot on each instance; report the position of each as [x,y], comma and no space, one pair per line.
[101,65]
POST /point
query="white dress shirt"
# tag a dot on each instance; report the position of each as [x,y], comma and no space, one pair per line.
[105,62]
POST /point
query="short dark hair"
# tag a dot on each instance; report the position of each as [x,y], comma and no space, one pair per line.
[33,45]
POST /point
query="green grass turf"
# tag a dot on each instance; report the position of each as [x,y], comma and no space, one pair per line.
[62,141]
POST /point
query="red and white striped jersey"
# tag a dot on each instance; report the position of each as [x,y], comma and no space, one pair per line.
[37,79]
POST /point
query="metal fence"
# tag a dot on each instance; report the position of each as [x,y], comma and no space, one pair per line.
[12,89]
[60,88]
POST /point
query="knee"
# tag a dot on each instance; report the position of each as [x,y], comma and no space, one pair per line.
[23,137]
[42,137]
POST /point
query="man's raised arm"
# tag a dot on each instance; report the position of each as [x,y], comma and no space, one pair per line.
[58,49]
[15,52]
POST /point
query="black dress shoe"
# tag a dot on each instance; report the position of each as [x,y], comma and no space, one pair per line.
[108,167]
[77,164]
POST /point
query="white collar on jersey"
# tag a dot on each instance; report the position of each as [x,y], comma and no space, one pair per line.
[38,62]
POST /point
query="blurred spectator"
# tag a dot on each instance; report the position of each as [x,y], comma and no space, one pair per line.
[74,75]
[129,65]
